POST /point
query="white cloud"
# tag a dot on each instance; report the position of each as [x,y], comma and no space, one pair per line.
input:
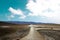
[23,17]
[16,12]
[10,17]
[41,8]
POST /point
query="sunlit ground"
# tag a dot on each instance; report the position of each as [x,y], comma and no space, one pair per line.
[33,35]
[34,32]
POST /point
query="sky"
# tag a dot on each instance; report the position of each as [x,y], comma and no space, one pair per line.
[46,11]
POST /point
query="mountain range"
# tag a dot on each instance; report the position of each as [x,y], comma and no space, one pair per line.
[23,22]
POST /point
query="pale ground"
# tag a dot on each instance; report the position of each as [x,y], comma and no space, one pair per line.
[33,35]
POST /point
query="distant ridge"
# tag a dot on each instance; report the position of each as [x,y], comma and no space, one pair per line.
[23,22]
[20,22]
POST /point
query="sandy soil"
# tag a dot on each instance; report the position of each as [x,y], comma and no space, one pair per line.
[33,35]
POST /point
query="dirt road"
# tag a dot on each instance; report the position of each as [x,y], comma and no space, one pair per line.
[33,35]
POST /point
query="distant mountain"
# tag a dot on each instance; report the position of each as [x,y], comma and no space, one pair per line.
[23,22]
[20,22]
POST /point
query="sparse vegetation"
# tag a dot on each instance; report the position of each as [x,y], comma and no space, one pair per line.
[13,31]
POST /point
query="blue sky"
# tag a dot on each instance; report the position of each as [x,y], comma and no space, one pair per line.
[47,11]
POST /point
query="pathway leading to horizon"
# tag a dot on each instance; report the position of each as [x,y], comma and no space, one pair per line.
[33,35]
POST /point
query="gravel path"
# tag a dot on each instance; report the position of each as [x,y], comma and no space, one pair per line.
[33,35]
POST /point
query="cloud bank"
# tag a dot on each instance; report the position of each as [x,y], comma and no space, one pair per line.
[49,9]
